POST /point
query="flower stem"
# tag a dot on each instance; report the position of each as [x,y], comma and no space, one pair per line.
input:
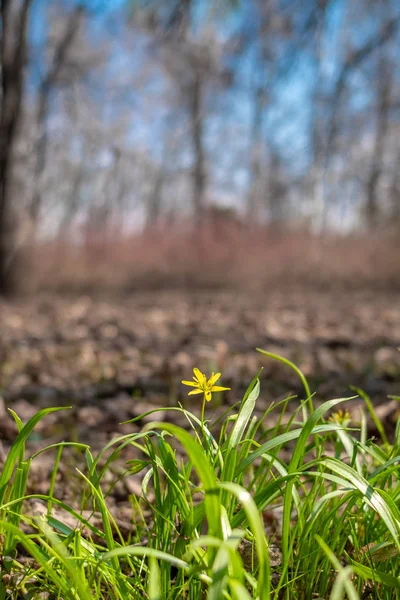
[203,406]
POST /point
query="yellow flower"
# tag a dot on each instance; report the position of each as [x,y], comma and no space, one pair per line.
[341,417]
[204,386]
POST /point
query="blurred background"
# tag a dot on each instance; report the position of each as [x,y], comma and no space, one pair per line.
[198,142]
[233,163]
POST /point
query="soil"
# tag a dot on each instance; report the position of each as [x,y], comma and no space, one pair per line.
[111,359]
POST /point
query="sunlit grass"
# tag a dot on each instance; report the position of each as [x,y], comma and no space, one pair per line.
[206,491]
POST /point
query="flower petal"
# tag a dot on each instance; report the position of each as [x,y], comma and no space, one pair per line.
[191,383]
[195,392]
[199,375]
[207,396]
[213,379]
[218,388]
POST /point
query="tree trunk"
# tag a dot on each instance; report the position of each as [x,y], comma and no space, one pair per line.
[46,87]
[384,86]
[12,59]
[154,199]
[197,126]
[254,199]
[395,192]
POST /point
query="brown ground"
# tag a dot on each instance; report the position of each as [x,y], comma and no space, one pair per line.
[95,354]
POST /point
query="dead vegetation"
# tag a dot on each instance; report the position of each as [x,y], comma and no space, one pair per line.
[220,254]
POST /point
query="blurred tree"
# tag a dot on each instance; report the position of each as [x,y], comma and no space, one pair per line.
[14,21]
[383,86]
[188,49]
[318,32]
[395,192]
[59,47]
[354,58]
[286,110]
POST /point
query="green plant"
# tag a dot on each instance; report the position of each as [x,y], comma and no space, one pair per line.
[199,520]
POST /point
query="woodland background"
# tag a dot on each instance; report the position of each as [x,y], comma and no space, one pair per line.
[198,142]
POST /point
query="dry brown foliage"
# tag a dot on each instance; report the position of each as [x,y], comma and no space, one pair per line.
[216,255]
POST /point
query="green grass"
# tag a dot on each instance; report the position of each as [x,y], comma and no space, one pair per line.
[205,492]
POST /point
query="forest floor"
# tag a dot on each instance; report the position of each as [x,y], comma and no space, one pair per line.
[114,359]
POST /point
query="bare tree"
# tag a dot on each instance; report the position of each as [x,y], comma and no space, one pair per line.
[261,90]
[190,57]
[383,91]
[188,64]
[177,108]
[50,79]
[257,158]
[394,190]
[317,116]
[13,49]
